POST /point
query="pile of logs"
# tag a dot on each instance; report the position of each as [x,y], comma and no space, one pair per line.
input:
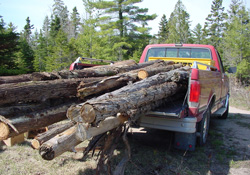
[94,100]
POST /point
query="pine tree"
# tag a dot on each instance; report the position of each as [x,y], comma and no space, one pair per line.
[197,33]
[237,39]
[179,31]
[25,56]
[59,57]
[41,53]
[163,30]
[8,46]
[61,11]
[215,23]
[27,30]
[127,20]
[74,23]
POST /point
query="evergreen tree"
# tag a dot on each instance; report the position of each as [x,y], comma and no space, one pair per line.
[197,33]
[55,26]
[46,27]
[215,23]
[61,11]
[59,57]
[8,46]
[163,30]
[95,40]
[25,56]
[27,30]
[41,53]
[237,39]
[74,23]
[127,20]
[179,31]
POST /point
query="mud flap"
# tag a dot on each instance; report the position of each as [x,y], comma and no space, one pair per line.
[185,141]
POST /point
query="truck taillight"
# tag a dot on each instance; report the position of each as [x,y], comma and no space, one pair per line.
[195,90]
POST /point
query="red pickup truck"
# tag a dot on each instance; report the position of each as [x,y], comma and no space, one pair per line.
[207,93]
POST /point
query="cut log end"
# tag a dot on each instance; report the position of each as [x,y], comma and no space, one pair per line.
[88,113]
[142,74]
[35,144]
[46,152]
[4,131]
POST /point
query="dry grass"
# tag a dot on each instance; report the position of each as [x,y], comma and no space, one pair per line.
[151,154]
[239,94]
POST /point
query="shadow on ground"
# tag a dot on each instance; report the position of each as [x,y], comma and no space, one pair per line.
[153,153]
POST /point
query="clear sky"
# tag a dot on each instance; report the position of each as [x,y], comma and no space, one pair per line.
[16,11]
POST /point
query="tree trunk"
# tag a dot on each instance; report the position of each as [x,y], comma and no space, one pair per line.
[101,71]
[40,90]
[32,121]
[146,72]
[59,144]
[129,97]
[64,74]
[67,140]
[114,82]
[43,137]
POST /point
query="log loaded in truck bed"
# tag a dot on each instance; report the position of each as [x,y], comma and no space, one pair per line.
[207,94]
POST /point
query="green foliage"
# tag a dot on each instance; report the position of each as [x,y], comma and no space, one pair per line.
[197,34]
[236,40]
[127,21]
[215,23]
[243,70]
[163,30]
[179,31]
[8,46]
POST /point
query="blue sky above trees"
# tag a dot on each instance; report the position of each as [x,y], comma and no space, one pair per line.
[17,11]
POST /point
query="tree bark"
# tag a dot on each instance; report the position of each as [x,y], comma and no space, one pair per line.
[129,97]
[67,140]
[114,82]
[40,90]
[101,71]
[148,72]
[32,121]
[64,74]
[43,137]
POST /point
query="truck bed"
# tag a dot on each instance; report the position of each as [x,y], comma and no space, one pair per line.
[172,108]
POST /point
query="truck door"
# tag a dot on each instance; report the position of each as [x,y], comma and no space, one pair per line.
[224,80]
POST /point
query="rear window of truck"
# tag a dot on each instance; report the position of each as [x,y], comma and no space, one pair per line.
[179,53]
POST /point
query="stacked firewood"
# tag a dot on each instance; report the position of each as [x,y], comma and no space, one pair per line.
[95,100]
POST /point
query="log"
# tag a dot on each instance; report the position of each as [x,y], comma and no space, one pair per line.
[40,90]
[35,120]
[99,110]
[11,111]
[146,72]
[64,74]
[178,75]
[106,70]
[69,139]
[36,76]
[43,137]
[114,82]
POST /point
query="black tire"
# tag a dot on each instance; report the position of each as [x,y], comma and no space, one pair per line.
[225,115]
[203,127]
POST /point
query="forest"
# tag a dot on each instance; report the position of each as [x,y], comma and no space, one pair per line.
[118,30]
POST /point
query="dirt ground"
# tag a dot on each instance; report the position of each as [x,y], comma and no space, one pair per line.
[226,152]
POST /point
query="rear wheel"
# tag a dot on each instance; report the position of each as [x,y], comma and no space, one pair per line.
[203,127]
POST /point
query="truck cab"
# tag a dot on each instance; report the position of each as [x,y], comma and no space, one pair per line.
[188,115]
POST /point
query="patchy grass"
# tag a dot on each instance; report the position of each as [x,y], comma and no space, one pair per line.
[151,154]
[243,124]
